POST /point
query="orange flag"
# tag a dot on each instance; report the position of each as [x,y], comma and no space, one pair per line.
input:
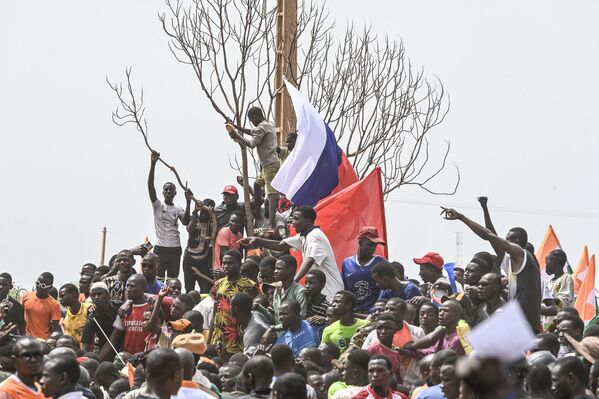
[585,301]
[581,269]
[550,243]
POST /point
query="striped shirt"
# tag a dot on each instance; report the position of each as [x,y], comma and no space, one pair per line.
[319,308]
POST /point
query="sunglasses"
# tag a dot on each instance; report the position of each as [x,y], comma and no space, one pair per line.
[31,355]
[43,286]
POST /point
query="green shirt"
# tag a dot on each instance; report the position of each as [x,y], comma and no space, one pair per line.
[295,292]
[340,335]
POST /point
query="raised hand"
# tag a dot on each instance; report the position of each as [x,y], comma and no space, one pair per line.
[483,201]
[450,214]
[247,241]
[154,156]
[164,291]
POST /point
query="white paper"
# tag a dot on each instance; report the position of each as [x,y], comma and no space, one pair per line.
[506,335]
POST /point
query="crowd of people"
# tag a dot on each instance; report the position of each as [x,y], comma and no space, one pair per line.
[270,314]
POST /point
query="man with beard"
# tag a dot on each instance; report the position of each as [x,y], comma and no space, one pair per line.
[101,317]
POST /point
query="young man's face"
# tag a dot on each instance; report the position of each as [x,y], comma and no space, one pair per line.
[51,381]
[169,191]
[282,272]
[99,297]
[385,330]
[313,285]
[450,384]
[66,298]
[43,285]
[339,304]
[378,373]
[175,287]
[449,314]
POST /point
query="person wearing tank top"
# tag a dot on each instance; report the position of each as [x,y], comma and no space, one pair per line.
[520,266]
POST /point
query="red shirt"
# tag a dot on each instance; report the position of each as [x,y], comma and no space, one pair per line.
[133,327]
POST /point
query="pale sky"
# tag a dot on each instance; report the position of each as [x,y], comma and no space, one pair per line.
[522,78]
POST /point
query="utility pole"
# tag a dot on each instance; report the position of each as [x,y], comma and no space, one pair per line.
[103,250]
[285,66]
[459,249]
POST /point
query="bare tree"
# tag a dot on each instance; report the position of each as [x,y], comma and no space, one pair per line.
[380,107]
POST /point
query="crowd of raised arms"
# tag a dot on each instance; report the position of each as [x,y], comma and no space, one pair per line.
[251,321]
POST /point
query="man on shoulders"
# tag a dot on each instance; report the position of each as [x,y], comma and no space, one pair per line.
[356,271]
[315,246]
[166,223]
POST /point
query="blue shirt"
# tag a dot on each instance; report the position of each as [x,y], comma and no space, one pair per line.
[407,292]
[433,392]
[358,279]
[154,288]
[306,336]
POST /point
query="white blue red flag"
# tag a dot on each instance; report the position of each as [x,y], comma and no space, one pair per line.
[316,166]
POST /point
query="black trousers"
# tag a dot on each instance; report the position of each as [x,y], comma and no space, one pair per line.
[204,266]
[170,261]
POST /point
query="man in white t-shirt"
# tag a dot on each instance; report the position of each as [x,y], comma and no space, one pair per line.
[315,246]
[166,223]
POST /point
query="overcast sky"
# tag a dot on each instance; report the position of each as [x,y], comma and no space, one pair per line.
[522,77]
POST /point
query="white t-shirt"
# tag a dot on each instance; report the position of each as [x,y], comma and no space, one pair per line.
[166,224]
[206,308]
[316,245]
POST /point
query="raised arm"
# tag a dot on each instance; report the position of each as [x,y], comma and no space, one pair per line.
[263,242]
[151,189]
[187,214]
[489,225]
[500,245]
[307,264]
[153,322]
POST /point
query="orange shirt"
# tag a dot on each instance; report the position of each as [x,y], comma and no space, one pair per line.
[13,388]
[39,314]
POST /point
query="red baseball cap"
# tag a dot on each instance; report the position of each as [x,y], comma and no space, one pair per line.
[431,258]
[372,234]
[230,190]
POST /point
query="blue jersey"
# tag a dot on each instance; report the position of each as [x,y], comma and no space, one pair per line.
[306,337]
[407,292]
[154,288]
[358,279]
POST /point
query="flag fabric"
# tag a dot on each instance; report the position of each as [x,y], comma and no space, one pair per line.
[549,243]
[311,172]
[451,275]
[581,269]
[585,301]
[341,216]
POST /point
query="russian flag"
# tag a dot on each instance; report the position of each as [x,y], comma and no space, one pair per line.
[316,167]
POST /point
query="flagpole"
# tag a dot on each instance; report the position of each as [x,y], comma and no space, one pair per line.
[108,340]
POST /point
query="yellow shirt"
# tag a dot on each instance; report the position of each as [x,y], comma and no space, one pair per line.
[73,324]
